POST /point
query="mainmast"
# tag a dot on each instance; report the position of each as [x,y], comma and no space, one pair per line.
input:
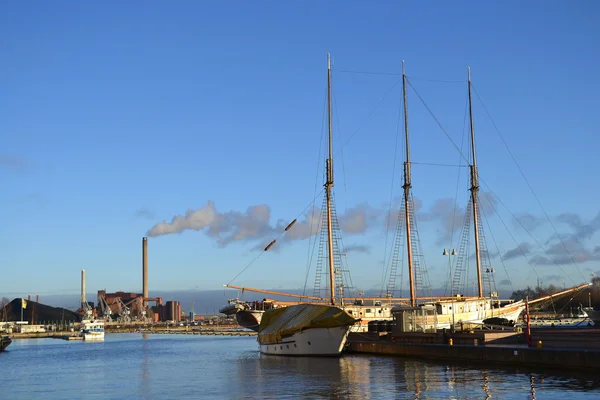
[328,186]
[474,190]
[407,185]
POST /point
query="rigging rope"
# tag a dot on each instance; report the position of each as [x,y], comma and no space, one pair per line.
[528,184]
[280,235]
[313,243]
[387,228]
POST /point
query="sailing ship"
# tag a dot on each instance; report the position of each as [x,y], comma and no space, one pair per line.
[310,329]
[418,312]
[459,309]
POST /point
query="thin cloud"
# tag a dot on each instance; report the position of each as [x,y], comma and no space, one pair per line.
[358,248]
[521,250]
[145,213]
[12,162]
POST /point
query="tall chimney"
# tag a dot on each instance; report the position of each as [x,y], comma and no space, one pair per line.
[145,272]
[83,301]
[37,298]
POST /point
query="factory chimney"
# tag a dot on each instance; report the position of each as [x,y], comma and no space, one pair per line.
[83,300]
[145,272]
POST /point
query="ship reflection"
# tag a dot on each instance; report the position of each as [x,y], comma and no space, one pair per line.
[370,377]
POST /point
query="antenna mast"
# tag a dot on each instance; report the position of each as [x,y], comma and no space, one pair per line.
[328,186]
[474,190]
[407,185]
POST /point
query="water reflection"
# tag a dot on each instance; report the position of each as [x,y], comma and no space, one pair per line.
[364,377]
[145,387]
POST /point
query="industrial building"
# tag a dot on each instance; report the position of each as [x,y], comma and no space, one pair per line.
[129,306]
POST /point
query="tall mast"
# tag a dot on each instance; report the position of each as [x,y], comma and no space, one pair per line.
[407,185]
[474,190]
[329,186]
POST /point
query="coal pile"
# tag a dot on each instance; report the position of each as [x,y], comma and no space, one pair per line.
[37,313]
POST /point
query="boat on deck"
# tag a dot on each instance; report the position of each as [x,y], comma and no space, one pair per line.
[593,315]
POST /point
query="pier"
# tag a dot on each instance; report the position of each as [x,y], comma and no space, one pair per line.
[574,349]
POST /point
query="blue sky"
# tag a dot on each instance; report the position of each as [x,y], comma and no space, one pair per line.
[117,117]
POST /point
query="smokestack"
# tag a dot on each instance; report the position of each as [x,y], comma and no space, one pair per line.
[28,297]
[83,301]
[37,298]
[145,271]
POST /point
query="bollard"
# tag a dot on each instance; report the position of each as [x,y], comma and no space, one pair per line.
[539,344]
[450,341]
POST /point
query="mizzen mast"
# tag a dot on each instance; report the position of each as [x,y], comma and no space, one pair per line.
[407,185]
[474,191]
[328,186]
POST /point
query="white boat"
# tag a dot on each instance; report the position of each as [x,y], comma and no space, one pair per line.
[304,330]
[92,329]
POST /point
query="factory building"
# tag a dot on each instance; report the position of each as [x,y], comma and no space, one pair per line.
[171,311]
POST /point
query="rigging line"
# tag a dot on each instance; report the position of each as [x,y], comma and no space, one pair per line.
[313,242]
[528,184]
[437,80]
[440,165]
[462,143]
[496,243]
[387,228]
[281,234]
[369,72]
[529,233]
[368,117]
[437,122]
[337,117]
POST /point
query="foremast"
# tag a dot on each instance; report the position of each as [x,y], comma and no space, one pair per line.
[328,187]
[474,191]
[406,186]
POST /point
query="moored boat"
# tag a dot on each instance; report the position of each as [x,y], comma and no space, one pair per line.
[92,330]
[304,330]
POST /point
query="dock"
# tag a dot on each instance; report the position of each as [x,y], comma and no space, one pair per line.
[207,332]
[574,349]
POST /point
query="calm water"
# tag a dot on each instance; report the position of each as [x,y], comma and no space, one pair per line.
[133,366]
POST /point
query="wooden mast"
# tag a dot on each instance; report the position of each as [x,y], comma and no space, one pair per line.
[328,186]
[407,185]
[474,190]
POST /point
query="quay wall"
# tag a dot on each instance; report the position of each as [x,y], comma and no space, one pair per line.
[579,359]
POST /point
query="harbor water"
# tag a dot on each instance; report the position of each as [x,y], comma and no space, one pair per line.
[138,366]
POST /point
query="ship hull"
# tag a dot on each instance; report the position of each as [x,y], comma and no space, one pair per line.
[4,342]
[310,342]
[249,319]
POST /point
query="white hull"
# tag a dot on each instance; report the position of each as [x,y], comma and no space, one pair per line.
[93,336]
[510,312]
[310,342]
[560,323]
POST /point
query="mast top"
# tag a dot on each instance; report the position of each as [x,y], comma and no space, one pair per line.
[328,61]
[469,73]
